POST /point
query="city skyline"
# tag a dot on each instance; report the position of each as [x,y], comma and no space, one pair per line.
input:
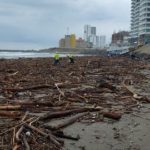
[40,24]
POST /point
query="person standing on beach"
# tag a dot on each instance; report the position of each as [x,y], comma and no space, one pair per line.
[56,58]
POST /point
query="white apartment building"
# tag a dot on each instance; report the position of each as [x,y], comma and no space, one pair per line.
[140,21]
[87,33]
[67,41]
[102,41]
[90,34]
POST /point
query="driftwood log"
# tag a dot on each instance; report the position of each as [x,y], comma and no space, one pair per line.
[66,122]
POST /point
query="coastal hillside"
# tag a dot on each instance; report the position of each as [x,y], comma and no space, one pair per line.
[143,50]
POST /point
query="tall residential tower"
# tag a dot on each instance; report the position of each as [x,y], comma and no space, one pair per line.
[140,21]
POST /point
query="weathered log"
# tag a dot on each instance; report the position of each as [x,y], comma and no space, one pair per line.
[66,122]
[10,114]
[104,84]
[10,107]
[112,115]
[59,114]
[30,104]
[28,88]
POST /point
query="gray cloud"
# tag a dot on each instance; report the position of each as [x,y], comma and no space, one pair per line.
[37,24]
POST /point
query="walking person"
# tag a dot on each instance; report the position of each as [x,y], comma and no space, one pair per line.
[56,59]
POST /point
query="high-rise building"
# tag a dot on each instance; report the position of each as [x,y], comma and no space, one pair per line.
[68,42]
[93,30]
[87,33]
[140,21]
[62,43]
[117,38]
[72,40]
[90,35]
[102,41]
[97,41]
[80,43]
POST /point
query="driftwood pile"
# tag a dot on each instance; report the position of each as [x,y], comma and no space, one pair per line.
[34,93]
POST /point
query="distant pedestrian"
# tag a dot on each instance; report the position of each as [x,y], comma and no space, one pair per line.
[71,59]
[132,56]
[56,59]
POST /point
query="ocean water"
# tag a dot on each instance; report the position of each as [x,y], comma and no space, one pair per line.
[15,55]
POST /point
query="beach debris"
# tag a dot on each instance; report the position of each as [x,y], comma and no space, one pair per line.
[34,93]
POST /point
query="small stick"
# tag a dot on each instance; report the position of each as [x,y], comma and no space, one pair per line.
[34,121]
[18,133]
[14,133]
[16,147]
[62,93]
[27,147]
[24,117]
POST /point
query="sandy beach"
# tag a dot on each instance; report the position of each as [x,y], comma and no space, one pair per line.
[107,97]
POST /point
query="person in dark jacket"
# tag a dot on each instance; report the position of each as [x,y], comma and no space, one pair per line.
[71,59]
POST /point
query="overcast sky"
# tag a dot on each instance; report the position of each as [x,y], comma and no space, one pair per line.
[34,24]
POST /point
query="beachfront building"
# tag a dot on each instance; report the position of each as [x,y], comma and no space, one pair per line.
[118,38]
[68,42]
[62,43]
[140,22]
[72,40]
[80,43]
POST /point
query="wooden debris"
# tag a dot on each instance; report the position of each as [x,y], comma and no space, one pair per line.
[10,114]
[60,114]
[112,115]
[67,122]
[27,88]
[10,107]
[62,135]
[34,91]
